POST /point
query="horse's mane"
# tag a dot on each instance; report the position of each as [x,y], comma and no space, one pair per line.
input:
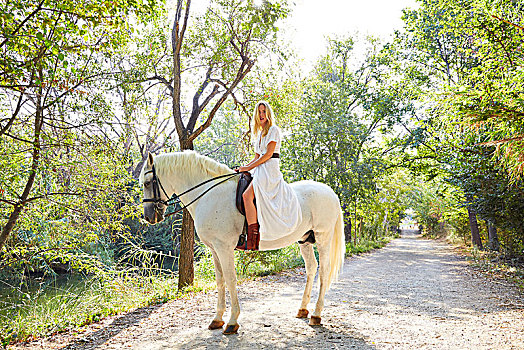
[191,162]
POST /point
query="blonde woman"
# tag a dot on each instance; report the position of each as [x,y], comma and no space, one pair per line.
[277,212]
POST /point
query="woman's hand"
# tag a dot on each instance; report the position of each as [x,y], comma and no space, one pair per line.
[243,169]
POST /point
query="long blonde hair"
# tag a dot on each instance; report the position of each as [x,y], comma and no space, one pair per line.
[257,127]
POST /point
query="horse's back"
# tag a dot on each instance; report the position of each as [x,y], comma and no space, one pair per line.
[311,190]
[320,204]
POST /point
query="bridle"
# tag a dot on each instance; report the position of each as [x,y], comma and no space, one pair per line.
[157,185]
[175,199]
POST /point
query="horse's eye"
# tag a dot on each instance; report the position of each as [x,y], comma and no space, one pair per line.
[147,184]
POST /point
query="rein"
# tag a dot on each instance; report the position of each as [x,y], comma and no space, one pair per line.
[175,199]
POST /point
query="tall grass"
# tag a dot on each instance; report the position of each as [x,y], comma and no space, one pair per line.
[41,313]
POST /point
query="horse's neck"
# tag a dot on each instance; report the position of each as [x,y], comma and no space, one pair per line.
[179,181]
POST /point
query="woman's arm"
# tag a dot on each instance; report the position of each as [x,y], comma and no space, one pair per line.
[248,164]
[254,159]
[261,159]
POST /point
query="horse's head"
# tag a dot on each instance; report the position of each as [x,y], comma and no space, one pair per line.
[154,198]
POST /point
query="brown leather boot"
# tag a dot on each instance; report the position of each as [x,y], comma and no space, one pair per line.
[253,237]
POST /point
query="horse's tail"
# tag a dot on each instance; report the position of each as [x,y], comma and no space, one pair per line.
[338,249]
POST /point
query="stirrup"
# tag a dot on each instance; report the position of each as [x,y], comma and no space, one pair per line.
[242,242]
[242,239]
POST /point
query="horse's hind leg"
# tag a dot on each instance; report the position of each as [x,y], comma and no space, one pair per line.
[323,275]
[221,288]
[308,254]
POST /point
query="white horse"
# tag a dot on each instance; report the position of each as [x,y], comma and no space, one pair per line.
[219,224]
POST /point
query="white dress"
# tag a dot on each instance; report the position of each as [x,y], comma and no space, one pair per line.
[278,209]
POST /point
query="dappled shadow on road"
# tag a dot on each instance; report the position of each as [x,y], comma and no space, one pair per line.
[416,277]
[323,337]
[412,294]
[98,338]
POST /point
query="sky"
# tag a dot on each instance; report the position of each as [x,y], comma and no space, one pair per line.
[313,20]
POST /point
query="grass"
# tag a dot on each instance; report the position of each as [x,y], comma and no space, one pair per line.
[366,245]
[39,314]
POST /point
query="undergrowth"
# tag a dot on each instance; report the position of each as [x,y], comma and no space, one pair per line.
[497,265]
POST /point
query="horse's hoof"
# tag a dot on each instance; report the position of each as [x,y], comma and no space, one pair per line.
[216,324]
[231,329]
[302,313]
[315,321]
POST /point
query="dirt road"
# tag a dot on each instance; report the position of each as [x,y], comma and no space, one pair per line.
[412,294]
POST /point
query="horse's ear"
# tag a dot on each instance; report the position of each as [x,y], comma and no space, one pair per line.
[149,159]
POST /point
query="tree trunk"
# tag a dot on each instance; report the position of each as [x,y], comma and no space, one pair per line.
[385,225]
[347,230]
[347,223]
[493,237]
[186,271]
[356,226]
[474,227]
[18,207]
[6,230]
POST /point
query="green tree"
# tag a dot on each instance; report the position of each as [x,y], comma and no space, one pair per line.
[52,59]
[345,106]
[452,55]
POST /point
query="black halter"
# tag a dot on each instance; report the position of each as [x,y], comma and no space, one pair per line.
[175,199]
[157,185]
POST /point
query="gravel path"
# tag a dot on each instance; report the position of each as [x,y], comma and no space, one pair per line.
[412,294]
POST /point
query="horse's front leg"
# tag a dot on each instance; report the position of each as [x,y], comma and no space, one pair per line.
[221,288]
[227,262]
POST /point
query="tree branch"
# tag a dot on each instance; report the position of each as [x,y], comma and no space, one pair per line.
[163,80]
[24,202]
[196,108]
[7,201]
[13,116]
[176,43]
[508,22]
[208,99]
[423,143]
[244,68]
[38,8]
[33,254]
[184,26]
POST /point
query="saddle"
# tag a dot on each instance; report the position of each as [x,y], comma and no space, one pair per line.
[243,182]
[249,238]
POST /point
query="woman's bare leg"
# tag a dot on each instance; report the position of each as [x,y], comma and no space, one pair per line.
[249,203]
